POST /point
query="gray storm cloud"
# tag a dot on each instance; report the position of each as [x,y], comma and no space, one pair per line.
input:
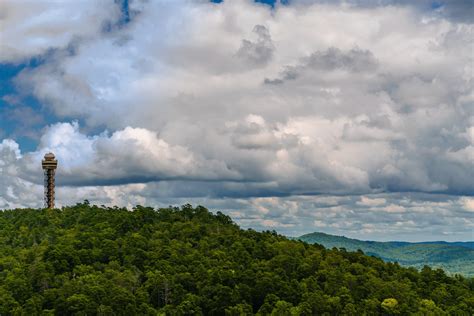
[259,52]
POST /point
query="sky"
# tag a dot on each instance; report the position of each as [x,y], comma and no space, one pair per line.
[353,118]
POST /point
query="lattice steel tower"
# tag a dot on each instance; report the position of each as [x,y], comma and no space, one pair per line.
[49,166]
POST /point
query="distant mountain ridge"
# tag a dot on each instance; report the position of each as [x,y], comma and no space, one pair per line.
[453,257]
[466,244]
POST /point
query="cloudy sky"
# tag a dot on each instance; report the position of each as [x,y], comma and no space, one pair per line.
[349,117]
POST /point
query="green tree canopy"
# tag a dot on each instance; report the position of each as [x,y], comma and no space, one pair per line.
[90,260]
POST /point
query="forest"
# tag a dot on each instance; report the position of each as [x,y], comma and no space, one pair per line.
[452,257]
[97,260]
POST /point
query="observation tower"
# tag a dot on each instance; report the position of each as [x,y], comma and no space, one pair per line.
[49,167]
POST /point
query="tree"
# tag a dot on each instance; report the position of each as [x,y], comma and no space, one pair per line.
[390,306]
[429,308]
[241,309]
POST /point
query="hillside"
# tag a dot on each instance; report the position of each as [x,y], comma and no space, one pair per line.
[89,260]
[454,258]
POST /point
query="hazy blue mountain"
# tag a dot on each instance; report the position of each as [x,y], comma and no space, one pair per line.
[466,244]
[455,257]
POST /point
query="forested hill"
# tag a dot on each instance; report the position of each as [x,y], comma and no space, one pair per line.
[454,258]
[88,260]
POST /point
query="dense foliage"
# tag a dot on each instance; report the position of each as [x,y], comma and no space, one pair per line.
[455,258]
[88,260]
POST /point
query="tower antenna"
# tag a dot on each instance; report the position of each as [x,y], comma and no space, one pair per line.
[49,167]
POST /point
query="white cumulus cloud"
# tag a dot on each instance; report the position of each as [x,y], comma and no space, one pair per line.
[238,100]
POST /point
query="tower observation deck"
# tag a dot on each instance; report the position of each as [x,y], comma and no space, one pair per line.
[49,165]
